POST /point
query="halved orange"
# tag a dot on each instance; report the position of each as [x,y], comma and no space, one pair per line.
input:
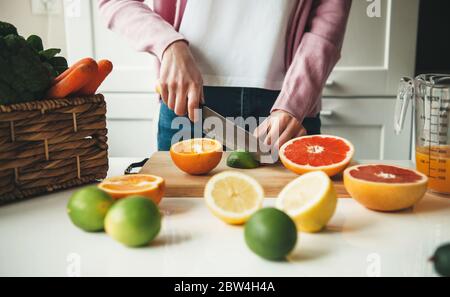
[196,156]
[330,154]
[146,185]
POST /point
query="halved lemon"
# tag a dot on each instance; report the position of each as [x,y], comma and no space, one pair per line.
[233,196]
[150,186]
[196,156]
[310,200]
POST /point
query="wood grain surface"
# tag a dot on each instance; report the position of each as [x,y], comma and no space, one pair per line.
[179,184]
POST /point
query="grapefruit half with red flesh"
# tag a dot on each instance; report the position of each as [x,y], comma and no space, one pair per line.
[385,187]
[330,154]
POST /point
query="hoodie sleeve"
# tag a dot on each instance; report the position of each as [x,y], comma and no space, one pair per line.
[146,30]
[315,58]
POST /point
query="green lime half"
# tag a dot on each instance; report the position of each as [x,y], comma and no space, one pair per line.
[242,160]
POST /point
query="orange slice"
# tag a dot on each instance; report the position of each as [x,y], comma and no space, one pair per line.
[196,156]
[150,186]
[330,154]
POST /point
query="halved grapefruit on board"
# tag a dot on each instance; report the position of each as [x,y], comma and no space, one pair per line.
[330,154]
[385,187]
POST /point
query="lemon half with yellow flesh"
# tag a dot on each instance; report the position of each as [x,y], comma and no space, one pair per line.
[233,196]
[310,200]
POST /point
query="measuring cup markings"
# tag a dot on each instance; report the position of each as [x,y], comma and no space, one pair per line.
[430,97]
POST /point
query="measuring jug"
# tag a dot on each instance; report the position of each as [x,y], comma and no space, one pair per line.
[430,97]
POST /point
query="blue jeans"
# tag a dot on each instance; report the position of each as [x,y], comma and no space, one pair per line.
[229,102]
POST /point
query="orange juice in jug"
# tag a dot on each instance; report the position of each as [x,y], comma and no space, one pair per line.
[434,162]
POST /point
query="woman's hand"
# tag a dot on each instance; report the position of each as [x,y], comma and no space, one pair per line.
[279,128]
[180,80]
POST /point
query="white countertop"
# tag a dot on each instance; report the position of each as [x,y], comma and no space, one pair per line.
[37,239]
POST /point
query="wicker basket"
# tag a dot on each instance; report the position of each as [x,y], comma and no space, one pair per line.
[51,145]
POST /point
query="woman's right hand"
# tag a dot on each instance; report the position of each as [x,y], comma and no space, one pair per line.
[180,80]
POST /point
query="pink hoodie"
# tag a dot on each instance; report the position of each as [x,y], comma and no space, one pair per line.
[314,42]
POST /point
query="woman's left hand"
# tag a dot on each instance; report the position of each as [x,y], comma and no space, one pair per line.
[279,128]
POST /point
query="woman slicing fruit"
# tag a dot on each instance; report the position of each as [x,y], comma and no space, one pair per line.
[244,58]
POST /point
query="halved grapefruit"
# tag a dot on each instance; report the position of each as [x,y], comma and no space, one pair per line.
[330,154]
[196,156]
[385,187]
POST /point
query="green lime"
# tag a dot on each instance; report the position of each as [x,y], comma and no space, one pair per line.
[271,234]
[441,260]
[242,159]
[134,221]
[87,208]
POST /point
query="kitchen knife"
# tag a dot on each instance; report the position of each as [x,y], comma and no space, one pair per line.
[232,136]
[235,137]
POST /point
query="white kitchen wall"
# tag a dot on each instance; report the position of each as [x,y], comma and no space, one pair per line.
[49,27]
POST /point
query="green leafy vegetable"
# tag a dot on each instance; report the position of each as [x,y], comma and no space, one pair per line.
[7,29]
[26,69]
[49,53]
[35,42]
[59,64]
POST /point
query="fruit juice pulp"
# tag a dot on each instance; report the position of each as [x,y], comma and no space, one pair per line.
[434,162]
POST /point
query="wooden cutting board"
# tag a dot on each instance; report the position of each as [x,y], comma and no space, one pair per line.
[179,184]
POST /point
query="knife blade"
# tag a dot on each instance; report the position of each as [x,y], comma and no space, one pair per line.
[235,137]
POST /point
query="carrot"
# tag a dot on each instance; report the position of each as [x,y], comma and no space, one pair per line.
[74,81]
[72,68]
[104,69]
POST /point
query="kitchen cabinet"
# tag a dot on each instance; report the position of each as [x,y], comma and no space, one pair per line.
[132,129]
[359,96]
[377,51]
[368,124]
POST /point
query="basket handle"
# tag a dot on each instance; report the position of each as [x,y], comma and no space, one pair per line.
[137,165]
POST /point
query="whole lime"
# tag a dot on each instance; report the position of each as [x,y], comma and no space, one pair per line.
[134,221]
[242,159]
[271,234]
[441,260]
[88,207]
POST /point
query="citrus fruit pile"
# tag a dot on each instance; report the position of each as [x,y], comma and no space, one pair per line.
[306,204]
[196,156]
[125,207]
